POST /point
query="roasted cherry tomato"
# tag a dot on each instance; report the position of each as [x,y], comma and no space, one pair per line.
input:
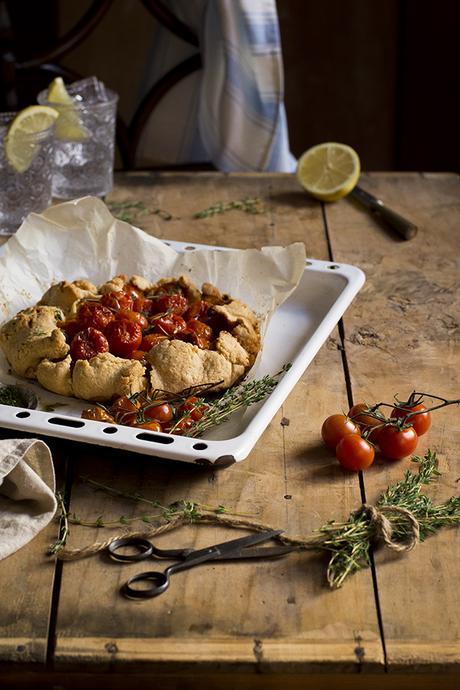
[117,300]
[133,316]
[124,410]
[197,333]
[396,443]
[161,411]
[88,343]
[173,304]
[197,310]
[193,407]
[94,315]
[336,427]
[140,356]
[180,427]
[354,452]
[124,337]
[70,328]
[131,292]
[421,422]
[169,325]
[142,304]
[150,340]
[151,425]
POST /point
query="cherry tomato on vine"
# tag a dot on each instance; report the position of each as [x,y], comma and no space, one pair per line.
[336,427]
[124,337]
[193,408]
[88,343]
[397,443]
[366,422]
[124,410]
[354,452]
[160,411]
[151,425]
[420,422]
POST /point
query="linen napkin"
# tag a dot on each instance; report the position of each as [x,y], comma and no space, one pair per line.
[27,500]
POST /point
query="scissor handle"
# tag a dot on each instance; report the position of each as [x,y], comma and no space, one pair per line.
[159,583]
[144,549]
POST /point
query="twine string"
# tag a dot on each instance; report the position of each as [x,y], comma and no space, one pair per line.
[376,515]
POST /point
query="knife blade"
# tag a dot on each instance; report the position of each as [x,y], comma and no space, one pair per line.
[405,228]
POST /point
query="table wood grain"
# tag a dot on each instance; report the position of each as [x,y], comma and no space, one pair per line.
[270,624]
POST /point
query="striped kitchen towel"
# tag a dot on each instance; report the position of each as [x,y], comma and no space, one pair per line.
[231,112]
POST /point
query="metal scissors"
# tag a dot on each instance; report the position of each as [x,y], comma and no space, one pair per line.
[187,558]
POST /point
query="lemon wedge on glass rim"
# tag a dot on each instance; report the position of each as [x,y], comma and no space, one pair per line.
[21,144]
[329,171]
[69,125]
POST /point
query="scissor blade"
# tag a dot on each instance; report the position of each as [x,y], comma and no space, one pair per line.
[228,547]
[262,552]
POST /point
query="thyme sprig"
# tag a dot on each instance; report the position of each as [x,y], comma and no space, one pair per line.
[401,517]
[350,543]
[233,399]
[246,205]
[129,211]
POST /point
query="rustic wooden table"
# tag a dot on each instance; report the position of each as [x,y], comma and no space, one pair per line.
[270,624]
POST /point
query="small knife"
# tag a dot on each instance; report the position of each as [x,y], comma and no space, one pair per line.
[402,226]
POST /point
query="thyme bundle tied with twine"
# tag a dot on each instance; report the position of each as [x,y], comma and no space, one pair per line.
[401,518]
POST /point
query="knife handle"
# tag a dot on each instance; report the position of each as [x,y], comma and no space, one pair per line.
[402,226]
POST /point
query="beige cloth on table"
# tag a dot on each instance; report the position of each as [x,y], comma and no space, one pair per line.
[27,484]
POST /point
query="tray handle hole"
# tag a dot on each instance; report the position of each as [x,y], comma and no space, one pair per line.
[74,423]
[23,415]
[333,267]
[309,263]
[154,438]
[189,248]
[110,430]
[200,446]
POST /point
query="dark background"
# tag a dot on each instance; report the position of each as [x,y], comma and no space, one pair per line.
[381,76]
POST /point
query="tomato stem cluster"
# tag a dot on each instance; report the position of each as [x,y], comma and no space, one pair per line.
[355,435]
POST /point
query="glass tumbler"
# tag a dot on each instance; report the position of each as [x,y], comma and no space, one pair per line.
[23,192]
[85,144]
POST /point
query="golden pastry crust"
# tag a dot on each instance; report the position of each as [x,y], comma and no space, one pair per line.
[242,323]
[114,285]
[31,336]
[188,288]
[65,295]
[220,351]
[177,365]
[106,376]
[56,376]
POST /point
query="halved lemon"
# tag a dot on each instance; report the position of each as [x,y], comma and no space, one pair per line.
[69,125]
[21,146]
[329,171]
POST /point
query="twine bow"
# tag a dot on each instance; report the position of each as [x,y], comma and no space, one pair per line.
[384,529]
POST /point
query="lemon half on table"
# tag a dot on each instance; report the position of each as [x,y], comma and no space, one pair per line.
[69,125]
[329,171]
[21,146]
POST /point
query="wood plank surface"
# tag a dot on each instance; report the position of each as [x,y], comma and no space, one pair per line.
[227,616]
[270,623]
[403,334]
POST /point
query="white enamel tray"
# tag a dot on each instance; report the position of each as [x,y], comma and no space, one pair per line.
[295,334]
